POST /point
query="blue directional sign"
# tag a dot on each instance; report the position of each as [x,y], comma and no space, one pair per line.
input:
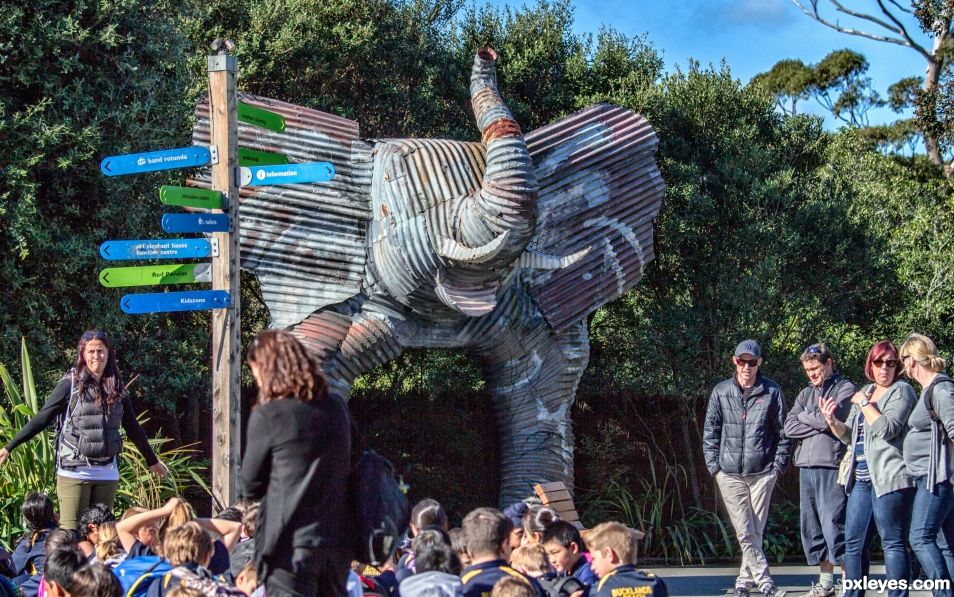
[288,174]
[162,248]
[166,159]
[164,302]
[195,222]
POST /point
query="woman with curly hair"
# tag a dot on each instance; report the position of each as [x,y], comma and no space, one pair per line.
[90,404]
[297,462]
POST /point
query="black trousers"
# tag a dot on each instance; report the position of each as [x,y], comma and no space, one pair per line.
[309,572]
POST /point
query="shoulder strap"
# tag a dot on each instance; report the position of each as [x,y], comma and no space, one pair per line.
[928,398]
[67,414]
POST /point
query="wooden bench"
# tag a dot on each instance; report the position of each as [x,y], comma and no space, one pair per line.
[555,495]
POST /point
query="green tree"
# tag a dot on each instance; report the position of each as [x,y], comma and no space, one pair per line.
[891,22]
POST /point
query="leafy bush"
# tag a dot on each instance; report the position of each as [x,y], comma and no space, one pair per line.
[32,467]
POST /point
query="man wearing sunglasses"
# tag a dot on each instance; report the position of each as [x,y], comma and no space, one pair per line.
[746,449]
[818,454]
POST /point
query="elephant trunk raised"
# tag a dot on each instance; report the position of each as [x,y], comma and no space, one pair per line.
[504,210]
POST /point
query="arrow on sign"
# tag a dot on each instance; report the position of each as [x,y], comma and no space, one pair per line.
[163,248]
[195,222]
[288,174]
[153,161]
[163,302]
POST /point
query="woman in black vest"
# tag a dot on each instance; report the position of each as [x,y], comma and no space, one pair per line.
[90,404]
[297,462]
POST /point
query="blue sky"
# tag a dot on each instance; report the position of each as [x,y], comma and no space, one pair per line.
[751,35]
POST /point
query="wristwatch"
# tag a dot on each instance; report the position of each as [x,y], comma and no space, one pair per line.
[864,402]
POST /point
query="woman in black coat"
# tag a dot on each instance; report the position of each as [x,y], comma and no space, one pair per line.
[297,462]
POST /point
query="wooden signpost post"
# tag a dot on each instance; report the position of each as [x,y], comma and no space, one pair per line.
[231,167]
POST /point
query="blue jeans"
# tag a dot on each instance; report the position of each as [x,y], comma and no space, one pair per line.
[932,519]
[891,514]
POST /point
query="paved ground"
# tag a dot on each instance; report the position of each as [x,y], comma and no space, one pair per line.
[713,581]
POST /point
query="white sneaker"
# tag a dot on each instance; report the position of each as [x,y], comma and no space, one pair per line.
[819,591]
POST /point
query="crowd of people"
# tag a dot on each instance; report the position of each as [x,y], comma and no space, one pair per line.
[874,459]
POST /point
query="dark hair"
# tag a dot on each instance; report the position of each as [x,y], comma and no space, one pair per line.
[58,539]
[437,556]
[109,389]
[432,535]
[250,520]
[231,513]
[37,512]
[879,350]
[563,533]
[61,564]
[96,580]
[286,368]
[538,518]
[96,515]
[428,512]
[485,530]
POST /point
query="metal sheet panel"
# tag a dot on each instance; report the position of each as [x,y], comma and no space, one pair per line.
[305,243]
[599,190]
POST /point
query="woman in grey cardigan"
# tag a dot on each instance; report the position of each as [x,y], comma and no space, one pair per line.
[878,486]
[929,458]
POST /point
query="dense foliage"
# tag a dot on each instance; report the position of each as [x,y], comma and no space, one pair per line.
[771,226]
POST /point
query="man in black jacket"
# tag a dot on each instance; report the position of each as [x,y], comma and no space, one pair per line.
[746,450]
[817,456]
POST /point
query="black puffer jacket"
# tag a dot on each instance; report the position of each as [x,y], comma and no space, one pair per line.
[745,436]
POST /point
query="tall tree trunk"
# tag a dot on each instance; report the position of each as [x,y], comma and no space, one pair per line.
[687,442]
[931,78]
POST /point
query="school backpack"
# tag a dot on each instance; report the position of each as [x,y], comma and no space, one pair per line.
[136,574]
[562,586]
[928,401]
[380,509]
[181,576]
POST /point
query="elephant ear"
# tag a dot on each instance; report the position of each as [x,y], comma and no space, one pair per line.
[599,192]
[304,242]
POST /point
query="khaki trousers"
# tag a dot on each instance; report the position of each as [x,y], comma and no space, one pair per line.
[747,501]
[75,496]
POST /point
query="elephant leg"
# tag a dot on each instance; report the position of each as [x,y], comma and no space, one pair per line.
[533,375]
[349,341]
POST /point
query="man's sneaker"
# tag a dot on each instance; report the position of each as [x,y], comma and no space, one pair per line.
[741,592]
[772,591]
[819,591]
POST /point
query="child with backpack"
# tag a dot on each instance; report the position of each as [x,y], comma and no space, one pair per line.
[567,552]
[188,549]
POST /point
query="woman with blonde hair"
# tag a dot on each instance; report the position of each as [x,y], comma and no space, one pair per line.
[298,461]
[929,457]
[108,550]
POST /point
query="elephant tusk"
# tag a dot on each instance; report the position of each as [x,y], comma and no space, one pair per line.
[453,250]
[471,301]
[531,259]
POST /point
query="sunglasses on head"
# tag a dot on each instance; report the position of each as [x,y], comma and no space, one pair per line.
[87,336]
[890,363]
[743,362]
[813,349]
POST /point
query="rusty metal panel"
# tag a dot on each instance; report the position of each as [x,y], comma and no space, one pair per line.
[599,190]
[305,243]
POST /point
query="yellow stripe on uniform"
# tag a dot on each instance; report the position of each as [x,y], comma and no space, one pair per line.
[599,587]
[469,576]
[514,574]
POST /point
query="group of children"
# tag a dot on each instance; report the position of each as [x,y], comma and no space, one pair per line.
[524,551]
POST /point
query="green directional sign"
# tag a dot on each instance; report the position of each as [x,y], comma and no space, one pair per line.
[190,197]
[253,157]
[259,117]
[155,275]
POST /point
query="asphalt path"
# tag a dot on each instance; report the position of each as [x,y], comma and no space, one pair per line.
[717,581]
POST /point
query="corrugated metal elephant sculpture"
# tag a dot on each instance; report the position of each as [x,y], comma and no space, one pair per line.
[501,248]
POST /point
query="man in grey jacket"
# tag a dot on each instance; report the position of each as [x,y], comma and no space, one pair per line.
[745,450]
[818,454]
